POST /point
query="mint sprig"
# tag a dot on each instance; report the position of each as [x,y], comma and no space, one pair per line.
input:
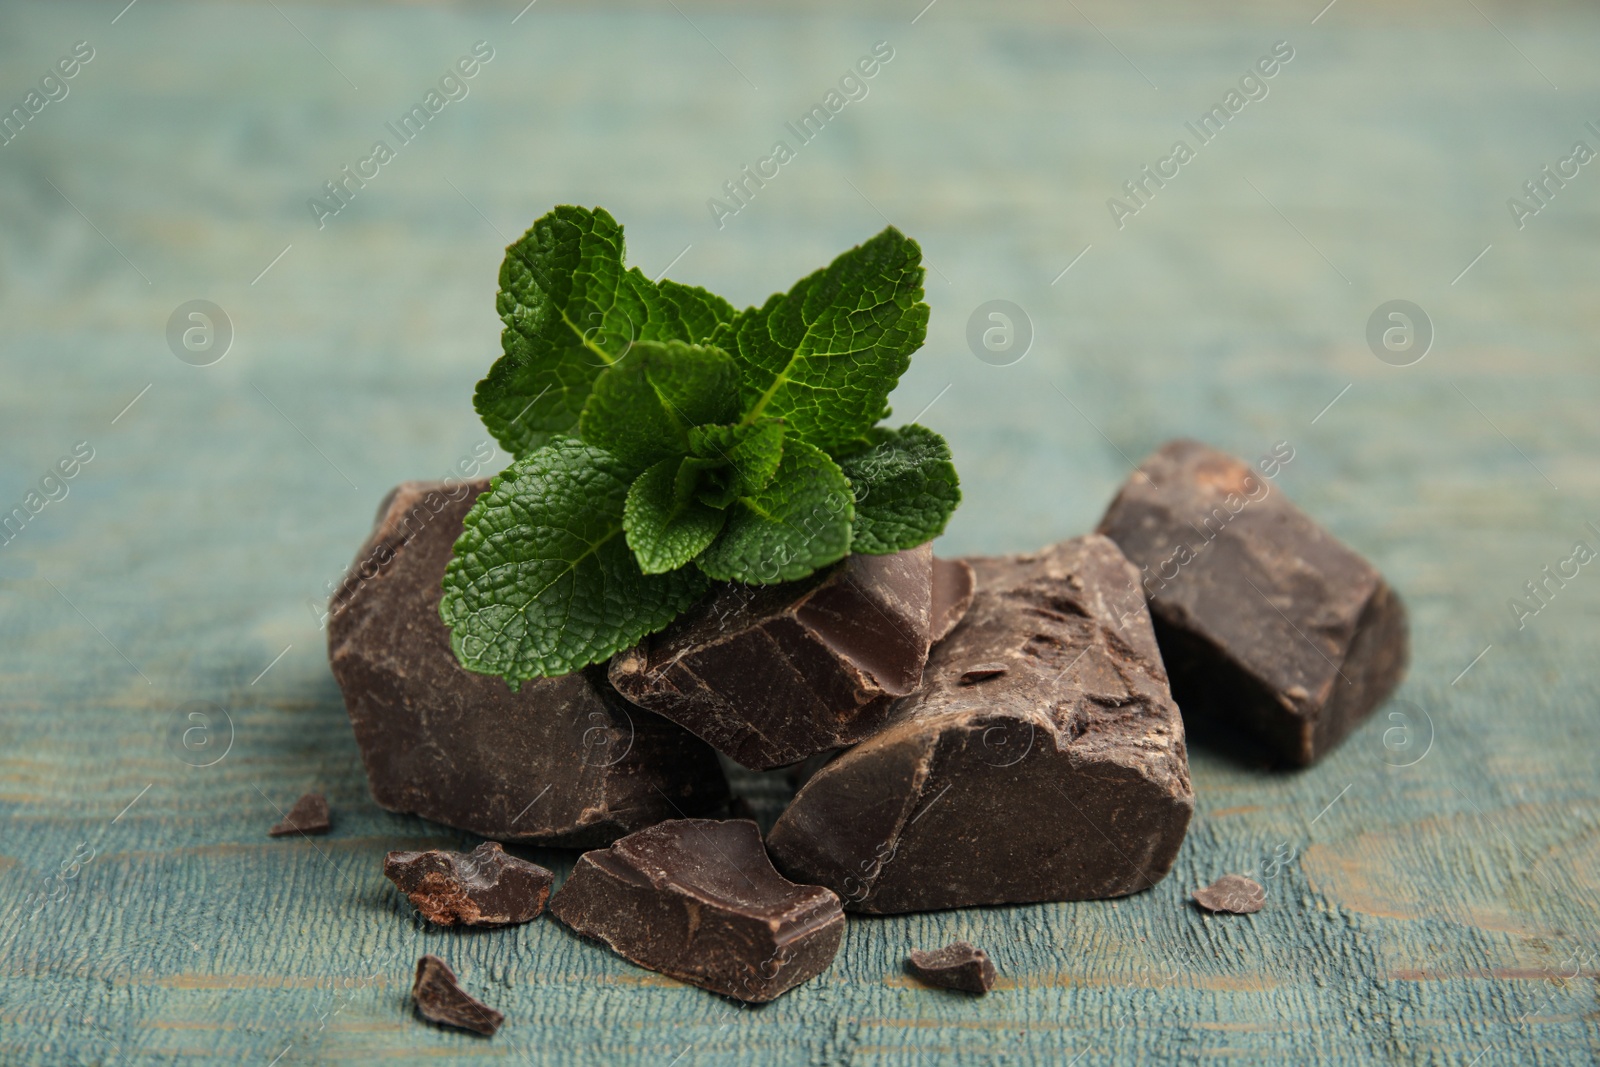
[662,440]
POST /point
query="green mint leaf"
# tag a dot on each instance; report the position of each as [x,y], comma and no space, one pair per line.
[905,489]
[663,531]
[570,310]
[713,482]
[752,451]
[642,409]
[799,522]
[698,311]
[542,582]
[825,355]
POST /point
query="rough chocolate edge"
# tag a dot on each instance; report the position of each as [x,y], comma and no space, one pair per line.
[847,827]
[954,586]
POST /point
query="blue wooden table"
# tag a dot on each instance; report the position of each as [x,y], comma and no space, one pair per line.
[1432,886]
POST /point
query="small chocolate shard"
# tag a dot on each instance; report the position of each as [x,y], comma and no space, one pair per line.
[1232,893]
[768,675]
[564,761]
[1273,631]
[308,816]
[982,671]
[485,887]
[1065,778]
[959,965]
[698,900]
[954,585]
[441,999]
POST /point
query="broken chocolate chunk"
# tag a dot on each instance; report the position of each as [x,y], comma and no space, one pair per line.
[1065,778]
[769,675]
[441,999]
[485,887]
[563,761]
[698,899]
[308,816]
[959,965]
[953,587]
[1269,626]
[1234,893]
[982,672]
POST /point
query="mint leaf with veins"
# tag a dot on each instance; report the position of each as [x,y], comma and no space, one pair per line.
[742,443]
[665,530]
[798,523]
[733,459]
[571,310]
[644,408]
[825,355]
[905,488]
[542,581]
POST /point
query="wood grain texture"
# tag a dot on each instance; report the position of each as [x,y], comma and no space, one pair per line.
[1433,887]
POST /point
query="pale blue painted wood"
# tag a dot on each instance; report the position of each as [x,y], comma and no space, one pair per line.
[1443,912]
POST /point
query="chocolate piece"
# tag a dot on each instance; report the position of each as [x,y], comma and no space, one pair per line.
[483,888]
[958,965]
[308,816]
[564,761]
[982,672]
[1234,893]
[1268,625]
[769,675]
[698,899]
[953,588]
[441,999]
[1065,778]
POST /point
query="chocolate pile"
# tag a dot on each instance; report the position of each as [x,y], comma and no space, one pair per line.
[996,730]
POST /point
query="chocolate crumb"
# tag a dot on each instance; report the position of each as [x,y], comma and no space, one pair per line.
[1232,893]
[441,999]
[483,888]
[959,965]
[308,816]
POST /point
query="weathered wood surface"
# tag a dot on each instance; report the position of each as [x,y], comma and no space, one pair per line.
[1432,888]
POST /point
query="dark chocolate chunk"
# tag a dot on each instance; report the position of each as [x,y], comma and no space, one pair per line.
[564,761]
[959,965]
[485,887]
[308,816]
[1065,778]
[441,999]
[1232,892]
[769,675]
[698,899]
[953,587]
[1269,627]
[982,672]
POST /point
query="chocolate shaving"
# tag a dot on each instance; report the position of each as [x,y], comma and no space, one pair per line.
[308,816]
[1232,893]
[959,965]
[982,671]
[441,999]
